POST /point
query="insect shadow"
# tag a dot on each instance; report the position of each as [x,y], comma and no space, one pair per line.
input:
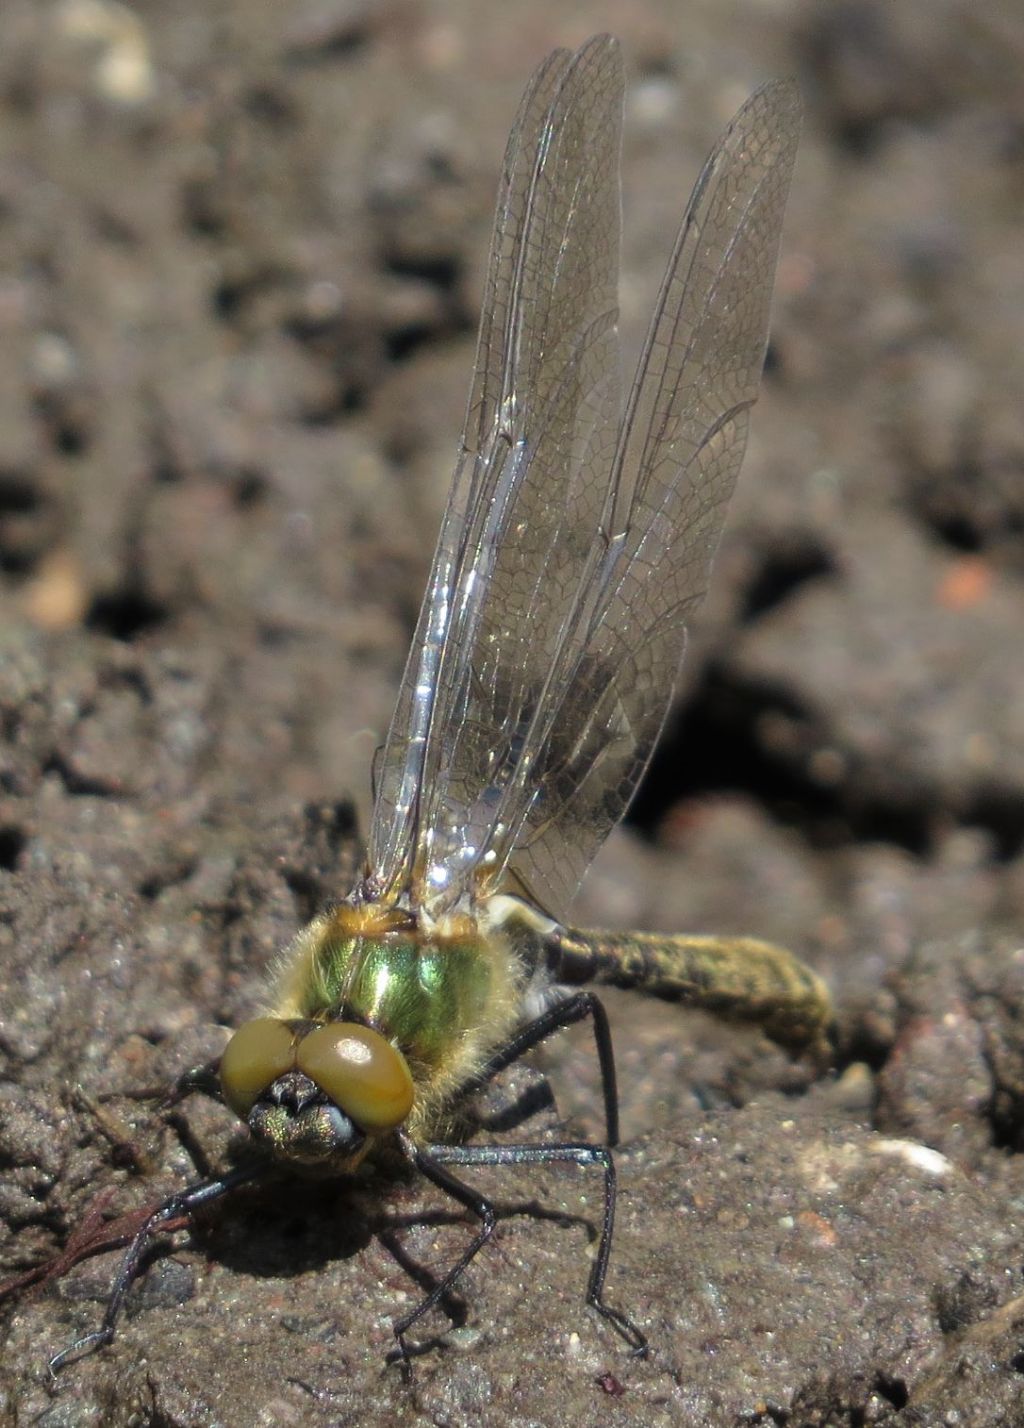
[258,1233]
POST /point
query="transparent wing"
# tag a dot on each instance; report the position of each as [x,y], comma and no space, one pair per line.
[678,457]
[529,493]
[575,547]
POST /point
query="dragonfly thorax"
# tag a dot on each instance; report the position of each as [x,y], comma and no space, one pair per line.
[386,1014]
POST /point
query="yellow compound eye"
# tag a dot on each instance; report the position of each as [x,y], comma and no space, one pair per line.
[362,1073]
[256,1055]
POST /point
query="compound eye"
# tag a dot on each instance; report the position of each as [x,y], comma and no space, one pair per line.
[361,1072]
[256,1055]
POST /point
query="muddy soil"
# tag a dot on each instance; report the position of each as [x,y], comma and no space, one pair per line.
[242,249]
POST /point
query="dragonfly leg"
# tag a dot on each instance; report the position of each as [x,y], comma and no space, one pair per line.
[564,1013]
[198,1080]
[429,1164]
[433,1160]
[179,1206]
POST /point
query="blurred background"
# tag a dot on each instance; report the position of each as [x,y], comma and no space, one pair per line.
[241,255]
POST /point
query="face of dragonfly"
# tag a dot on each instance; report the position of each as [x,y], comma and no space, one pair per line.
[579,533]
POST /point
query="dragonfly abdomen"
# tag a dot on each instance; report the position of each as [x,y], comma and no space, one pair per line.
[738,978]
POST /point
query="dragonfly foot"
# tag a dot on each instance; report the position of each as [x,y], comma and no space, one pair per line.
[80,1349]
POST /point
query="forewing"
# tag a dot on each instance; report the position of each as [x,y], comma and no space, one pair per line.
[678,457]
[528,491]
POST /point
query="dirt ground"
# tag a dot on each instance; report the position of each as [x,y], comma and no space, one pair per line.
[242,249]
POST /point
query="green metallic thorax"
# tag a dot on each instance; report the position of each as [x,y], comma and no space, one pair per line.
[426,996]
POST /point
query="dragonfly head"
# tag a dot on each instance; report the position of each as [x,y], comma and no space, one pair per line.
[315,1093]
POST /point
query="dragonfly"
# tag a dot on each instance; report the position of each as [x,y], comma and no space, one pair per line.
[576,545]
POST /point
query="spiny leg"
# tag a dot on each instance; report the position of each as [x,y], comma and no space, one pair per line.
[473,1201]
[201,1080]
[182,1204]
[563,1014]
[432,1161]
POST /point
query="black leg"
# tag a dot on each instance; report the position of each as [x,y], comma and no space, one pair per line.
[202,1080]
[564,1013]
[472,1200]
[432,1161]
[184,1203]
